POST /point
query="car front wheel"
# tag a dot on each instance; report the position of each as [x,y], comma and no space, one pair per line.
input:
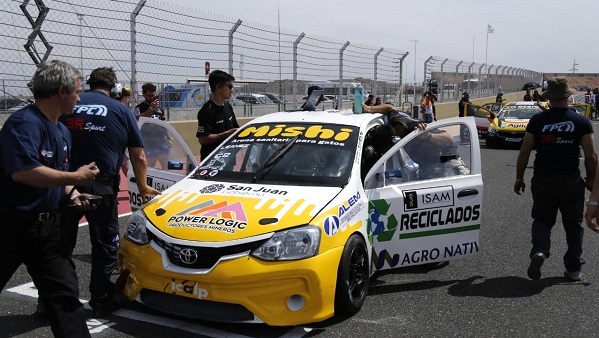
[352,277]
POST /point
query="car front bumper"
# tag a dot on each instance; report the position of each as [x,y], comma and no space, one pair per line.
[276,293]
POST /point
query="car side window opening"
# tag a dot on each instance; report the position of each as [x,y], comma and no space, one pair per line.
[435,153]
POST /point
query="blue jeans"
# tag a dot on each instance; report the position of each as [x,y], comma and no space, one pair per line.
[566,194]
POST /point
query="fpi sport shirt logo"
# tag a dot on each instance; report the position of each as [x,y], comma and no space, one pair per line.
[221,217]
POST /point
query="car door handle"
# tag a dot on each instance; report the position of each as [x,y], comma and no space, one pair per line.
[467,192]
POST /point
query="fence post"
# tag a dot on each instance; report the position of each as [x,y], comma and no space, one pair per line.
[340,97]
[376,58]
[295,43]
[455,90]
[442,84]
[401,77]
[480,84]
[133,27]
[469,73]
[231,31]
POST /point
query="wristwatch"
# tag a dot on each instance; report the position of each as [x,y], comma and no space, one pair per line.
[592,203]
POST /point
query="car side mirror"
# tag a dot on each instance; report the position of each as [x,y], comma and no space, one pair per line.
[175,165]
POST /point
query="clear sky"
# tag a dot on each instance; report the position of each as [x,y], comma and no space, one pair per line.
[544,36]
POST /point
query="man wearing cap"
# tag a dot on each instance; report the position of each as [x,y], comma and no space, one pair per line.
[557,134]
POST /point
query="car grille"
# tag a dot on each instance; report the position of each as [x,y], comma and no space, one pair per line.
[509,134]
[195,308]
[206,256]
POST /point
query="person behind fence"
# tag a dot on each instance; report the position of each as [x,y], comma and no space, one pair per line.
[150,106]
[378,101]
[527,96]
[35,181]
[462,104]
[216,119]
[102,128]
[499,98]
[557,134]
[426,107]
[369,100]
[158,140]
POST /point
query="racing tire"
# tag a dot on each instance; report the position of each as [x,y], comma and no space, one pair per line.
[490,142]
[352,277]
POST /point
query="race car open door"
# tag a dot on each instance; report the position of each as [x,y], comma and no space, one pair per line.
[483,115]
[169,158]
[425,197]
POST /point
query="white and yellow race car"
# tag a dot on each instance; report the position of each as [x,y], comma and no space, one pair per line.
[285,222]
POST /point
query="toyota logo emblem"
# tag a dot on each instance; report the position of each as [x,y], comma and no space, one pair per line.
[188,256]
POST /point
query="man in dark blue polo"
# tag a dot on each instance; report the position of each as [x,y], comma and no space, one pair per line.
[35,181]
[557,134]
[102,128]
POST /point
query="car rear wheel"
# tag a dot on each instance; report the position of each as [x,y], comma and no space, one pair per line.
[490,142]
[352,277]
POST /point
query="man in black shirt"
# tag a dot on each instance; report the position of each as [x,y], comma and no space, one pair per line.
[157,140]
[557,135]
[150,106]
[462,104]
[216,120]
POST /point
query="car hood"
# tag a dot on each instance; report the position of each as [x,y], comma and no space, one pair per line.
[510,124]
[210,211]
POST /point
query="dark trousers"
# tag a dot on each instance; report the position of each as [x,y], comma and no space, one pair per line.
[45,253]
[104,236]
[566,194]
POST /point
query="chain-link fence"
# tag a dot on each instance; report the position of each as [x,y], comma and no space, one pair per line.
[175,46]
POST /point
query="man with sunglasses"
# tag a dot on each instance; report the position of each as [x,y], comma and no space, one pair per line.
[216,120]
[150,106]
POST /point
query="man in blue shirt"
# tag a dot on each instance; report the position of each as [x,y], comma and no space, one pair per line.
[102,128]
[35,181]
[557,134]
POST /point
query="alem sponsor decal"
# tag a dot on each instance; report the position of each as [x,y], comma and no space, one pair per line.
[222,217]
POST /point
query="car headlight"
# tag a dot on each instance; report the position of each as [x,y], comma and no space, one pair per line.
[290,244]
[136,229]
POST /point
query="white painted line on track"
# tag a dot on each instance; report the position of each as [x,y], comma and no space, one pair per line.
[97,325]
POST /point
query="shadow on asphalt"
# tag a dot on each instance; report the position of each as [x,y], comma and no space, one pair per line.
[506,287]
[17,325]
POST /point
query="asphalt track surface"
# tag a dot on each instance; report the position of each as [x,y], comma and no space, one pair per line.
[486,296]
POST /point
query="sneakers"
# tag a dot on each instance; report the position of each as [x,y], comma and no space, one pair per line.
[573,276]
[534,269]
[106,305]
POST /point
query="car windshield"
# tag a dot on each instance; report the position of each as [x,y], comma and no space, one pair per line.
[322,155]
[521,112]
